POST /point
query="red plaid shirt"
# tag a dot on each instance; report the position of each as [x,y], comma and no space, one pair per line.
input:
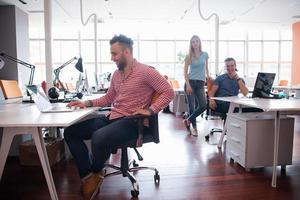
[128,94]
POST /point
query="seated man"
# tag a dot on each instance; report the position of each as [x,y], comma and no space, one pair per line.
[130,93]
[227,84]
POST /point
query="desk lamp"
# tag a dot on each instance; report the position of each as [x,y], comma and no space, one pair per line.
[30,66]
[78,66]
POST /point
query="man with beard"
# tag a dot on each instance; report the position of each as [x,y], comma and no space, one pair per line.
[227,84]
[132,87]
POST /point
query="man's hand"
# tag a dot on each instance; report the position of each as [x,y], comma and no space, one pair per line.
[77,104]
[144,112]
[212,104]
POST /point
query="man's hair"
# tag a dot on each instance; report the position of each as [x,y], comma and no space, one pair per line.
[230,59]
[122,40]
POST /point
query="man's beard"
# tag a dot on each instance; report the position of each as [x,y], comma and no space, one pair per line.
[122,63]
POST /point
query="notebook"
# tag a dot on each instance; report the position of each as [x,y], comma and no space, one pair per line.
[43,104]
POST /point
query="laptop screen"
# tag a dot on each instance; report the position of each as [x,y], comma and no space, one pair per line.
[263,85]
[39,97]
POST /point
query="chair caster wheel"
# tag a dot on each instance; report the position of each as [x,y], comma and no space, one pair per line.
[156,178]
[135,193]
[135,164]
[207,137]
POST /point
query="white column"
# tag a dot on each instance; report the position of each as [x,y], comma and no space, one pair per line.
[48,42]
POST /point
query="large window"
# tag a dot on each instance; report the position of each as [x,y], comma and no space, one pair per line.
[255,51]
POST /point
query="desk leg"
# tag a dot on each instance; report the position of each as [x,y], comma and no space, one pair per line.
[8,135]
[230,110]
[276,144]
[4,148]
[41,149]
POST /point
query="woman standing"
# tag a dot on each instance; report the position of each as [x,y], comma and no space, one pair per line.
[195,74]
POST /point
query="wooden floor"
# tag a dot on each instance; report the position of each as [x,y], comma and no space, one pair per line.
[189,167]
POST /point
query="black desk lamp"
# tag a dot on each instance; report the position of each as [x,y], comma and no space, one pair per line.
[78,66]
[30,66]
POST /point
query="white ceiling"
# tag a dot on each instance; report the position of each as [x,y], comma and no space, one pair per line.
[250,13]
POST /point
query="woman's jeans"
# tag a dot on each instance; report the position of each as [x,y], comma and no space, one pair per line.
[104,134]
[197,100]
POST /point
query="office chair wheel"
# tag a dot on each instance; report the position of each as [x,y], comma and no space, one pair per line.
[135,164]
[207,137]
[135,193]
[156,178]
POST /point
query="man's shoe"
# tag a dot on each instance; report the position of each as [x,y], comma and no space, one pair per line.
[91,185]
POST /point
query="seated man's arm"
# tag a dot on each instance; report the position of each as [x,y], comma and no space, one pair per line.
[243,89]
[211,93]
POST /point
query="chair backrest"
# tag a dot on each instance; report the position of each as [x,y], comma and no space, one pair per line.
[283,82]
[10,89]
[150,132]
[175,84]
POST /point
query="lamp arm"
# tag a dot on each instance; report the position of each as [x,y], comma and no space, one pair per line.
[31,76]
[65,64]
[30,66]
[17,61]
[57,71]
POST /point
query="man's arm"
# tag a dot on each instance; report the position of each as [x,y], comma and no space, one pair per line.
[243,89]
[162,87]
[211,93]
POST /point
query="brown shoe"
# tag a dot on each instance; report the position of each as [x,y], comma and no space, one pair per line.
[91,185]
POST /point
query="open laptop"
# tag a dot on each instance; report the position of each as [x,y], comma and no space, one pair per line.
[43,103]
[263,86]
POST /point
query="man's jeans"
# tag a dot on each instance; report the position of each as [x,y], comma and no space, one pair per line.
[104,134]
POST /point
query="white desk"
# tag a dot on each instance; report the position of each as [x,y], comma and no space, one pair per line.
[19,119]
[276,106]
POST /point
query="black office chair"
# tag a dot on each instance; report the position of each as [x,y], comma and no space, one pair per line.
[145,135]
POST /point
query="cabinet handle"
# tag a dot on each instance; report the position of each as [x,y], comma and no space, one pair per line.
[235,125]
[234,154]
[235,140]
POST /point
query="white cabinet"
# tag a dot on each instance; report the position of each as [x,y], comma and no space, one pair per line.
[178,105]
[250,139]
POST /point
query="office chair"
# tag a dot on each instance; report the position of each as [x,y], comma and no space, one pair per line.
[145,135]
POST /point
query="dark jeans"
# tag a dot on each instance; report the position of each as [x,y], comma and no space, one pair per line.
[196,101]
[104,134]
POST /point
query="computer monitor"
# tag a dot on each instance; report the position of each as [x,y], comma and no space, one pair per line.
[80,83]
[263,85]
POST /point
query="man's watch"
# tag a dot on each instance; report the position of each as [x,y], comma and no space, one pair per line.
[88,103]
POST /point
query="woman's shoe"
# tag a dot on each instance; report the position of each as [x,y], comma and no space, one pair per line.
[187,124]
[194,132]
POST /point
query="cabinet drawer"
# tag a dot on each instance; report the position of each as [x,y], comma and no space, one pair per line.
[235,153]
[236,125]
[237,138]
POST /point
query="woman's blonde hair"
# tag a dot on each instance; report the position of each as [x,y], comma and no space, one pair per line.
[191,54]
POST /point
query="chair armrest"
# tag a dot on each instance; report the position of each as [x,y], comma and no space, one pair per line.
[138,116]
[105,109]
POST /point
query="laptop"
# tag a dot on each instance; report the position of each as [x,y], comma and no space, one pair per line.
[43,104]
[263,86]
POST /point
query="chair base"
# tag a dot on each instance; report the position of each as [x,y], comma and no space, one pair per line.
[212,131]
[129,174]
